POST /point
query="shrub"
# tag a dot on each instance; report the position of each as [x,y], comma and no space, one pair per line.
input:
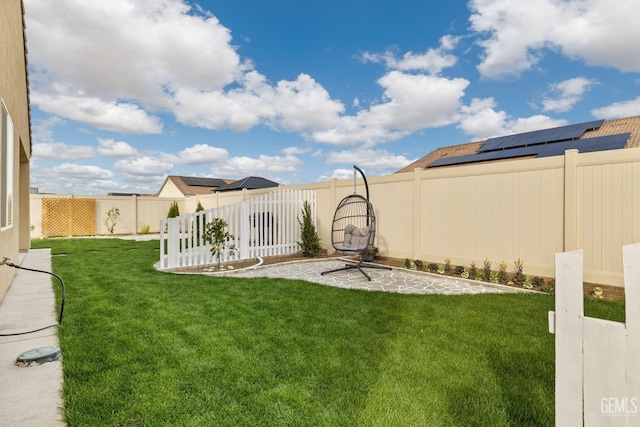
[538,282]
[473,271]
[199,208]
[407,263]
[447,265]
[433,267]
[174,210]
[309,240]
[146,229]
[518,275]
[459,270]
[486,268]
[503,278]
[419,264]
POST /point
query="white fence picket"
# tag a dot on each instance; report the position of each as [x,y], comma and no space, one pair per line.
[263,226]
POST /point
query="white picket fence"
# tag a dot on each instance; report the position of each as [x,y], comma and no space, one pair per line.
[264,226]
[597,361]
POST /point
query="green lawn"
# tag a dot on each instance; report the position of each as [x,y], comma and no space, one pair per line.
[142,347]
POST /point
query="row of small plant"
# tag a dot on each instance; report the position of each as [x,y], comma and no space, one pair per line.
[484,273]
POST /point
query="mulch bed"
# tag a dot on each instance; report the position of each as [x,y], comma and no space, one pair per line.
[610,293]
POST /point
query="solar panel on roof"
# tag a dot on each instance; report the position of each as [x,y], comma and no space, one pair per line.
[561,133]
[601,143]
[587,145]
[196,181]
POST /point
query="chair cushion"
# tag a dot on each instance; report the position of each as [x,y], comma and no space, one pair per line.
[355,239]
[348,233]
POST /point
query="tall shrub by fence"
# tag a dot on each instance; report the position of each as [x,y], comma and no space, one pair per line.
[264,226]
[597,361]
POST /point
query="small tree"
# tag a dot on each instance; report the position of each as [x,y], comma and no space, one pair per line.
[216,235]
[111,219]
[310,242]
[174,210]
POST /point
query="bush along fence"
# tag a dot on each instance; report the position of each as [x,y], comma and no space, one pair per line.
[264,226]
[597,369]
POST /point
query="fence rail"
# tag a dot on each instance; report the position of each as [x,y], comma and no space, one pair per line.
[264,226]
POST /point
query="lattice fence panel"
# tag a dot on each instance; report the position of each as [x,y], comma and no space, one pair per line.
[68,217]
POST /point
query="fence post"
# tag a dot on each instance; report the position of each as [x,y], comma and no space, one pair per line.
[570,200]
[417,213]
[568,339]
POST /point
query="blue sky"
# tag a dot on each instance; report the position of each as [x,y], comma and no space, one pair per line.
[126,92]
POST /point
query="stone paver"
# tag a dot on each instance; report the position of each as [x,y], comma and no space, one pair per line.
[396,280]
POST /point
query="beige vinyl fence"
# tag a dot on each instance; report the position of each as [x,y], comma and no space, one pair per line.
[529,209]
[597,361]
[136,212]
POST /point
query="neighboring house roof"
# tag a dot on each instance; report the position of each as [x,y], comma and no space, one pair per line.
[250,183]
[192,185]
[589,136]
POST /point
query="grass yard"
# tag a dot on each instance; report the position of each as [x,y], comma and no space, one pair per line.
[146,348]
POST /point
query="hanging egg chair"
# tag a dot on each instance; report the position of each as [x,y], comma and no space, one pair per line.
[353,229]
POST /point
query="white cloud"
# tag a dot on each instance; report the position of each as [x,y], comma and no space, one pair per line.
[292,106]
[618,109]
[432,61]
[294,151]
[536,122]
[198,154]
[566,94]
[108,147]
[143,167]
[104,53]
[266,166]
[61,151]
[114,116]
[481,121]
[337,174]
[594,31]
[381,160]
[43,128]
[303,105]
[75,172]
[410,102]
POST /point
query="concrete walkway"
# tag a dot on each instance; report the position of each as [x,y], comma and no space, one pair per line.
[398,280]
[29,396]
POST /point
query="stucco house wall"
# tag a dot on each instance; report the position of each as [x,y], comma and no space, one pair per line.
[15,148]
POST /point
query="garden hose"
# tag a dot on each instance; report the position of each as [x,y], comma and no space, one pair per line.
[7,261]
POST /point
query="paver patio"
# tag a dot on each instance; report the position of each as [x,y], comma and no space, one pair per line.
[396,280]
